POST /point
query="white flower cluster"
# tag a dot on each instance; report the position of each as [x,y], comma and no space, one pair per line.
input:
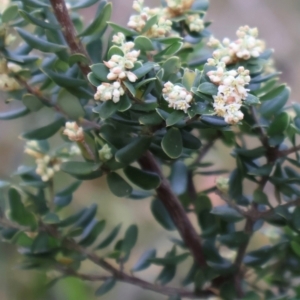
[195,23]
[105,153]
[118,65]
[246,46]
[231,92]
[8,83]
[107,91]
[46,167]
[138,22]
[177,96]
[74,132]
[178,7]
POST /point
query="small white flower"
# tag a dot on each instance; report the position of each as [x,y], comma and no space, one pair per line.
[74,132]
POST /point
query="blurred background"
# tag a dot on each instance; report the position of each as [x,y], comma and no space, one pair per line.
[279,25]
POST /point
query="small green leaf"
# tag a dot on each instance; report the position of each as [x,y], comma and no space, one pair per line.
[130,239]
[14,114]
[18,212]
[273,106]
[125,31]
[143,179]
[70,105]
[44,132]
[144,261]
[189,141]
[78,58]
[188,78]
[171,66]
[260,197]
[162,215]
[85,218]
[100,22]
[227,213]
[172,143]
[178,178]
[106,109]
[143,43]
[38,43]
[118,186]
[208,88]
[251,100]
[64,197]
[134,150]
[100,71]
[32,102]
[175,117]
[84,3]
[144,69]
[107,285]
[10,13]
[173,260]
[152,118]
[171,50]
[152,21]
[33,20]
[279,124]
[82,170]
[214,121]
[91,233]
[296,247]
[107,241]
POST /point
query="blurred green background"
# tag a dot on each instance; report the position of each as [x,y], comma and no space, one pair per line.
[279,25]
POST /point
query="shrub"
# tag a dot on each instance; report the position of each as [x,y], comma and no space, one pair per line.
[142,106]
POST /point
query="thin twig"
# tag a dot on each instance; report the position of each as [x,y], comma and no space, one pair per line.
[287,152]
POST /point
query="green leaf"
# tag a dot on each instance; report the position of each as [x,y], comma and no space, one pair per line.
[107,285]
[273,106]
[214,121]
[118,186]
[152,21]
[279,124]
[99,22]
[143,179]
[18,212]
[144,261]
[64,80]
[70,105]
[171,66]
[91,233]
[143,43]
[161,215]
[296,247]
[227,213]
[107,241]
[188,78]
[152,118]
[35,3]
[78,58]
[106,109]
[296,218]
[173,260]
[130,87]
[64,197]
[172,49]
[190,141]
[100,71]
[144,69]
[10,13]
[86,217]
[33,20]
[260,197]
[44,132]
[175,117]
[208,88]
[14,114]
[172,143]
[178,177]
[84,4]
[130,239]
[32,102]
[82,170]
[134,150]
[125,31]
[251,100]
[38,43]
[234,239]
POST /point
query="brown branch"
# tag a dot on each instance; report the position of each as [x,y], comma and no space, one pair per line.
[69,32]
[287,152]
[175,209]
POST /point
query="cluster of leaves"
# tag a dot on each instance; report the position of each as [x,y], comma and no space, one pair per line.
[141,125]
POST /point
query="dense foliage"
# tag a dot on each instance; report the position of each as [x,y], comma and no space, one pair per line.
[142,106]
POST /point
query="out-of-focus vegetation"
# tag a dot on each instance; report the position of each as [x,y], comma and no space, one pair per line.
[278,22]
